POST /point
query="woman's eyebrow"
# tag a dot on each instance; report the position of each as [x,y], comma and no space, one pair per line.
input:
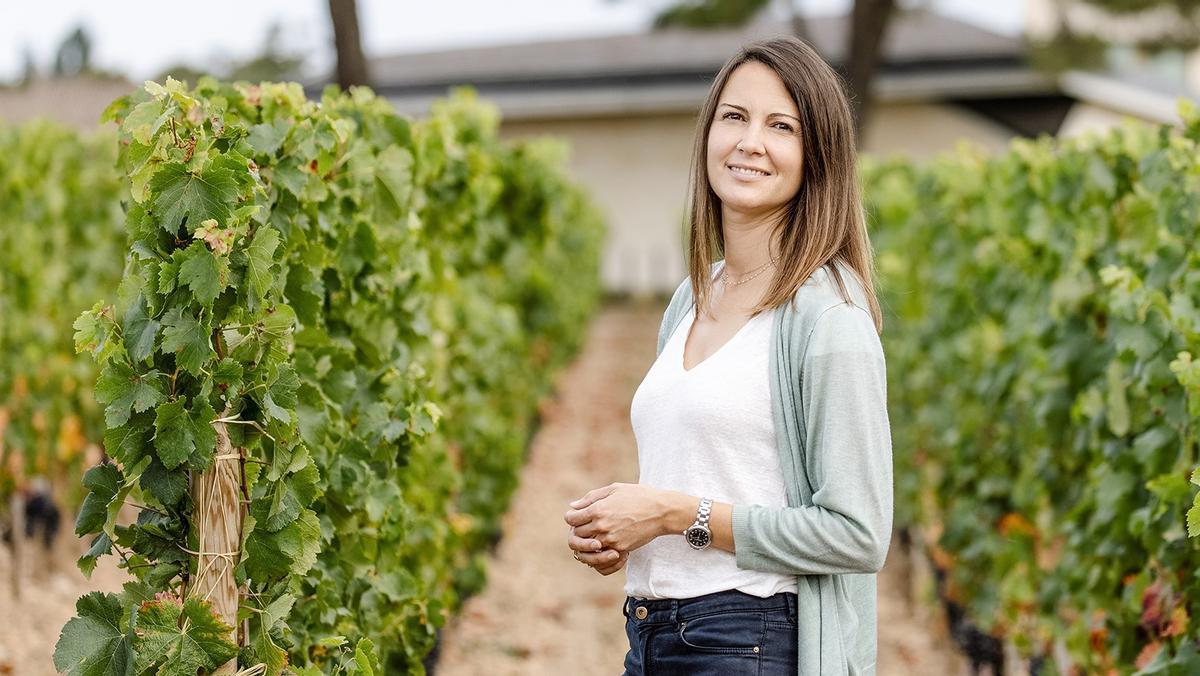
[734,105]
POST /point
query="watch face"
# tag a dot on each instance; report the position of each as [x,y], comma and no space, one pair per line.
[697,536]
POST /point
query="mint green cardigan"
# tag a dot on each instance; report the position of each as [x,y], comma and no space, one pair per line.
[829,406]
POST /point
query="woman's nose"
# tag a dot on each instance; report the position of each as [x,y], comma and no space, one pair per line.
[751,141]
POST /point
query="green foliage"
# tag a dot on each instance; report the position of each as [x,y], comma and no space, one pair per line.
[184,638]
[708,13]
[372,309]
[97,641]
[1164,26]
[1042,322]
[60,240]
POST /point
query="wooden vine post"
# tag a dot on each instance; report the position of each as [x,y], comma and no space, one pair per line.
[216,494]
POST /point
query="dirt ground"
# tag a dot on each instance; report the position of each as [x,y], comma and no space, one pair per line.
[50,583]
[542,613]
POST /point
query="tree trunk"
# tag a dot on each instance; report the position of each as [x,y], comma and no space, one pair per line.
[216,494]
[351,64]
[16,504]
[868,22]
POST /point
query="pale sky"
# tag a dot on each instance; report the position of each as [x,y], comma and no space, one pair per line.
[140,38]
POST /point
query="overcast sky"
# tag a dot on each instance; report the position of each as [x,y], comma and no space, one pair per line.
[140,38]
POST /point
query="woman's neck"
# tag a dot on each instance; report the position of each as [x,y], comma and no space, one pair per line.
[748,248]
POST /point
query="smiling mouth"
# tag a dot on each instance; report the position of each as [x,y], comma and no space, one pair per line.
[747,172]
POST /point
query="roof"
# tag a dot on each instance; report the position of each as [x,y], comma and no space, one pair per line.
[925,55]
[1125,94]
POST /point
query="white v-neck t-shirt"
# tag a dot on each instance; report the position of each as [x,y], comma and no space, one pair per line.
[707,432]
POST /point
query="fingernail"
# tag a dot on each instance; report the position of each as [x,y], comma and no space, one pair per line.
[573,503]
[596,545]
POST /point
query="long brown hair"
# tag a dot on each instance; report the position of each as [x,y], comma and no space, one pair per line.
[825,221]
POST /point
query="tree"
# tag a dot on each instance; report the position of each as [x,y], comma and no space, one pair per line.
[351,64]
[74,54]
[273,63]
[28,66]
[868,22]
[868,25]
[1086,30]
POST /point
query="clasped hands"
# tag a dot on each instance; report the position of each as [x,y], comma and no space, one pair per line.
[607,523]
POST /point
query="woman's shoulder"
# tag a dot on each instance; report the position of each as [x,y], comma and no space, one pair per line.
[821,291]
[820,315]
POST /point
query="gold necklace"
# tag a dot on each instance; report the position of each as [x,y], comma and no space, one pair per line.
[753,273]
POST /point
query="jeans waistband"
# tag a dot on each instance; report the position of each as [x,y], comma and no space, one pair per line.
[675,610]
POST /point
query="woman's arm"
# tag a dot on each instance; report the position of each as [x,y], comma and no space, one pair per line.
[848,459]
[622,517]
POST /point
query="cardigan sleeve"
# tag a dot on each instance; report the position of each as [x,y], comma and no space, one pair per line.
[671,316]
[848,459]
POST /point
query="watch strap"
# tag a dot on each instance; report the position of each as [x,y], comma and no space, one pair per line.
[703,512]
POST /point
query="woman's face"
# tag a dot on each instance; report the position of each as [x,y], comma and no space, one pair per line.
[755,111]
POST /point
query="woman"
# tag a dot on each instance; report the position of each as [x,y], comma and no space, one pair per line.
[764,504]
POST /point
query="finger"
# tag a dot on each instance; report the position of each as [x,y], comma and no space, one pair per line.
[613,567]
[584,544]
[587,530]
[610,571]
[592,496]
[604,558]
[578,517]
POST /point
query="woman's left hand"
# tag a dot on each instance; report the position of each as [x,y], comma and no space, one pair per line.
[621,516]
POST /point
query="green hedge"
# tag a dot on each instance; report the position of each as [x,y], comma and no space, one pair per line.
[371,308]
[1043,344]
[60,240]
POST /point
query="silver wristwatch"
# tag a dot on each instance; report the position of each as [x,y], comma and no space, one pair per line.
[698,534]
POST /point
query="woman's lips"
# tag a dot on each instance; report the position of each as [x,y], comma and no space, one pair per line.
[745,174]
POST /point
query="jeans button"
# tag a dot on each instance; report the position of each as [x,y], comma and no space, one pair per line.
[640,612]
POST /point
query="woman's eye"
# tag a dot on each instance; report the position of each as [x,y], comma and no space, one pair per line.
[726,115]
[784,126]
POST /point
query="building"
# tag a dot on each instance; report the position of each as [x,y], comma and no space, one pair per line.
[627,105]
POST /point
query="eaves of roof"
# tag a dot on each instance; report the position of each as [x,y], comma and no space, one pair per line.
[1138,99]
[926,56]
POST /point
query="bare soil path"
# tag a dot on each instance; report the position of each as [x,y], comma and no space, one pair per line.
[30,624]
[542,613]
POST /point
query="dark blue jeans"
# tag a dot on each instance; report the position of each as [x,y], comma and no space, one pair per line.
[728,633]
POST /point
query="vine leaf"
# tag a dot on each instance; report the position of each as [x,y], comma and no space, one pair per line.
[199,643]
[206,274]
[102,481]
[259,258]
[366,661]
[165,485]
[93,643]
[107,488]
[100,546]
[266,138]
[94,333]
[177,434]
[122,390]
[187,337]
[145,120]
[182,196]
[293,549]
[140,329]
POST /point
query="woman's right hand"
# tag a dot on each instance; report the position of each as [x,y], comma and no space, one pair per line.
[604,561]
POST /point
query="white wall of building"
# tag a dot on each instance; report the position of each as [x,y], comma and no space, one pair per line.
[636,169]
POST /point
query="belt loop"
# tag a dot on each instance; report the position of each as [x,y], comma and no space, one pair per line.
[793,605]
[625,607]
[674,611]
